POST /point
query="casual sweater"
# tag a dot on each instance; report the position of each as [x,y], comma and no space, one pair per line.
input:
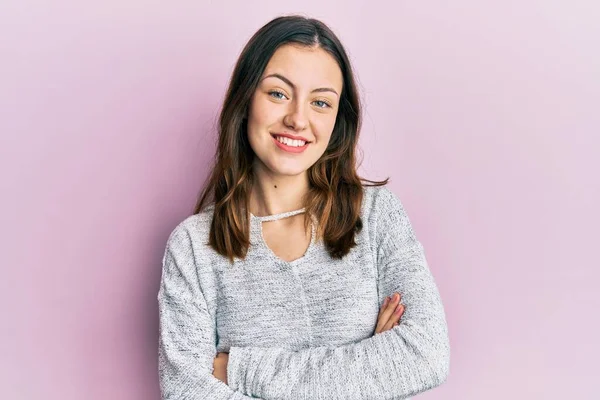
[302,329]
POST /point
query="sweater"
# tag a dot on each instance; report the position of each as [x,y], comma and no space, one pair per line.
[301,329]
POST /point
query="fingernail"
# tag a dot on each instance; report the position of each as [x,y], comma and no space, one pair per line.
[398,308]
[386,301]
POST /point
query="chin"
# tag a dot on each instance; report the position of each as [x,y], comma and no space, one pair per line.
[284,166]
[288,171]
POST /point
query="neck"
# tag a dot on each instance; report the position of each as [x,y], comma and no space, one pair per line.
[275,194]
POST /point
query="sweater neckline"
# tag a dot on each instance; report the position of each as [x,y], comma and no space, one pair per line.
[278,216]
[256,223]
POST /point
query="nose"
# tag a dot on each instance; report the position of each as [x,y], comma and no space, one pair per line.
[295,119]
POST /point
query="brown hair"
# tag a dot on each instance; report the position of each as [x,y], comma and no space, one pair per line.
[335,194]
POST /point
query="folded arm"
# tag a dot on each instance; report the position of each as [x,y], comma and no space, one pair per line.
[406,360]
[187,338]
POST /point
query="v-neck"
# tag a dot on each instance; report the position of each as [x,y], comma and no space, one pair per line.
[259,240]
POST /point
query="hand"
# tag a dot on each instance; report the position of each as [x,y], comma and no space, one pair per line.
[220,366]
[389,314]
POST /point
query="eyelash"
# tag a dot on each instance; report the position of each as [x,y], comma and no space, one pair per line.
[327,104]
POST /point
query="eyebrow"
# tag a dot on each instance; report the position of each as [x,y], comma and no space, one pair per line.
[286,80]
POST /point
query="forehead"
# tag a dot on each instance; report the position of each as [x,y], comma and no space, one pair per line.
[306,67]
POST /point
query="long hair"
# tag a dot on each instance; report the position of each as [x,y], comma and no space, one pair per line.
[335,191]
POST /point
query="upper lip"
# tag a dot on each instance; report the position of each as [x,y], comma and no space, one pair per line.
[287,135]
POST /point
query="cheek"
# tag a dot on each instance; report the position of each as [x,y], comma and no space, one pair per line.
[324,129]
[261,116]
[262,113]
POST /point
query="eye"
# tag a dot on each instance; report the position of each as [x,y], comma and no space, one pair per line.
[322,104]
[275,93]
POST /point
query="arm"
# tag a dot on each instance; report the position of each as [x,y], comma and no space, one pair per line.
[408,359]
[186,332]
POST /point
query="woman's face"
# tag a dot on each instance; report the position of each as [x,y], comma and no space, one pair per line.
[293,110]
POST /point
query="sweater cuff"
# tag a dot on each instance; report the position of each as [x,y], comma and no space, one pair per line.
[236,368]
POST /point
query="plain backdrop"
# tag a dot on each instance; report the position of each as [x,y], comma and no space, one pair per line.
[484,114]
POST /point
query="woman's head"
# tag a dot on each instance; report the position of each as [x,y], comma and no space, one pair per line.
[293,78]
[293,111]
[307,54]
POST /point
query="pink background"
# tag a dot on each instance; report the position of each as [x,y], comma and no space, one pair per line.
[485,114]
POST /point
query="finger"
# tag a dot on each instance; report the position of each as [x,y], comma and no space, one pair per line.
[386,301]
[387,312]
[383,307]
[394,318]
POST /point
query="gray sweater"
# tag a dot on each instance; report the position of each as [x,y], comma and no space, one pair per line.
[302,329]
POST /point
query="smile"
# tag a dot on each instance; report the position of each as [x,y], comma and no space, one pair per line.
[290,145]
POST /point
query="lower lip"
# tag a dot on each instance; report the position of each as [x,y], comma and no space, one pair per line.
[290,149]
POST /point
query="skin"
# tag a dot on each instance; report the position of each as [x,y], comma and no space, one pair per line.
[298,93]
[306,105]
[390,313]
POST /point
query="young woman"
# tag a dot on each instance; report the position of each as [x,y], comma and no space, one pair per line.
[285,283]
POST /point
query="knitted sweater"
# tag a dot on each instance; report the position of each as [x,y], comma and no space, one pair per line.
[302,329]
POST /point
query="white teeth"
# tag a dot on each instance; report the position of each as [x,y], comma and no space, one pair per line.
[290,142]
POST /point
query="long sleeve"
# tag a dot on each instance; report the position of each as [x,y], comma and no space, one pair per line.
[187,335]
[406,360]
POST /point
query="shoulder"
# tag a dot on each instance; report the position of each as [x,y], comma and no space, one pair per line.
[192,231]
[378,200]
[385,214]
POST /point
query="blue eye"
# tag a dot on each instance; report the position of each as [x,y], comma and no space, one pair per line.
[276,92]
[325,104]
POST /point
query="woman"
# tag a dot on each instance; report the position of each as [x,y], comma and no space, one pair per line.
[277,288]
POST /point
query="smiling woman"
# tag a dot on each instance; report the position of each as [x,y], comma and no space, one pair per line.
[277,286]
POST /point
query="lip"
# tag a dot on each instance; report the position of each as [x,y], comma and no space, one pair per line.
[287,135]
[289,149]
